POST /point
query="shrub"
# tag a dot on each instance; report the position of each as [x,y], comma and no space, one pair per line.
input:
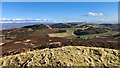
[80,32]
[90,30]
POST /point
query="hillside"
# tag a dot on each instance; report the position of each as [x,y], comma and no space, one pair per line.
[61,25]
[37,26]
[65,56]
[10,34]
[41,45]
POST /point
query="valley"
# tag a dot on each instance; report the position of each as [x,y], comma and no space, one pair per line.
[40,37]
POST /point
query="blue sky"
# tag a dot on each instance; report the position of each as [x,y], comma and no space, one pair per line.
[62,11]
[60,0]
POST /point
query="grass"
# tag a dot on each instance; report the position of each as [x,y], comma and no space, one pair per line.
[99,35]
[70,32]
[65,56]
[59,35]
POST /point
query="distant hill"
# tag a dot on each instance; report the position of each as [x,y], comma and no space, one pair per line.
[90,30]
[26,31]
[14,25]
[114,27]
[60,25]
[37,26]
[19,25]
[77,22]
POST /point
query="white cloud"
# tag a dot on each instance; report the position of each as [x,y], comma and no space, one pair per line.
[20,20]
[37,19]
[17,19]
[95,14]
[4,19]
[12,19]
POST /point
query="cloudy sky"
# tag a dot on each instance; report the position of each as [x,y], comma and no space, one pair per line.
[62,11]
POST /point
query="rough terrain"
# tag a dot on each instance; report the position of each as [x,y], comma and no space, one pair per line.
[65,56]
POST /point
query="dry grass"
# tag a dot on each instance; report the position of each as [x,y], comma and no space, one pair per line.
[65,56]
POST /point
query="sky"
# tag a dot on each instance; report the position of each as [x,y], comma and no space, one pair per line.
[62,11]
[60,0]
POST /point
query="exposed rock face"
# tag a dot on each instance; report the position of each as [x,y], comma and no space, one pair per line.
[65,56]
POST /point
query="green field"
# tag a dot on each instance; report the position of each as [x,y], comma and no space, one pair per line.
[70,32]
[99,35]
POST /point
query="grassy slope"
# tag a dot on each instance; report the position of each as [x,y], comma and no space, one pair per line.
[68,33]
[102,34]
[65,56]
[71,30]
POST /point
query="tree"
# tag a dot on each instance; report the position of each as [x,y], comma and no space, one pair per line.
[80,32]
